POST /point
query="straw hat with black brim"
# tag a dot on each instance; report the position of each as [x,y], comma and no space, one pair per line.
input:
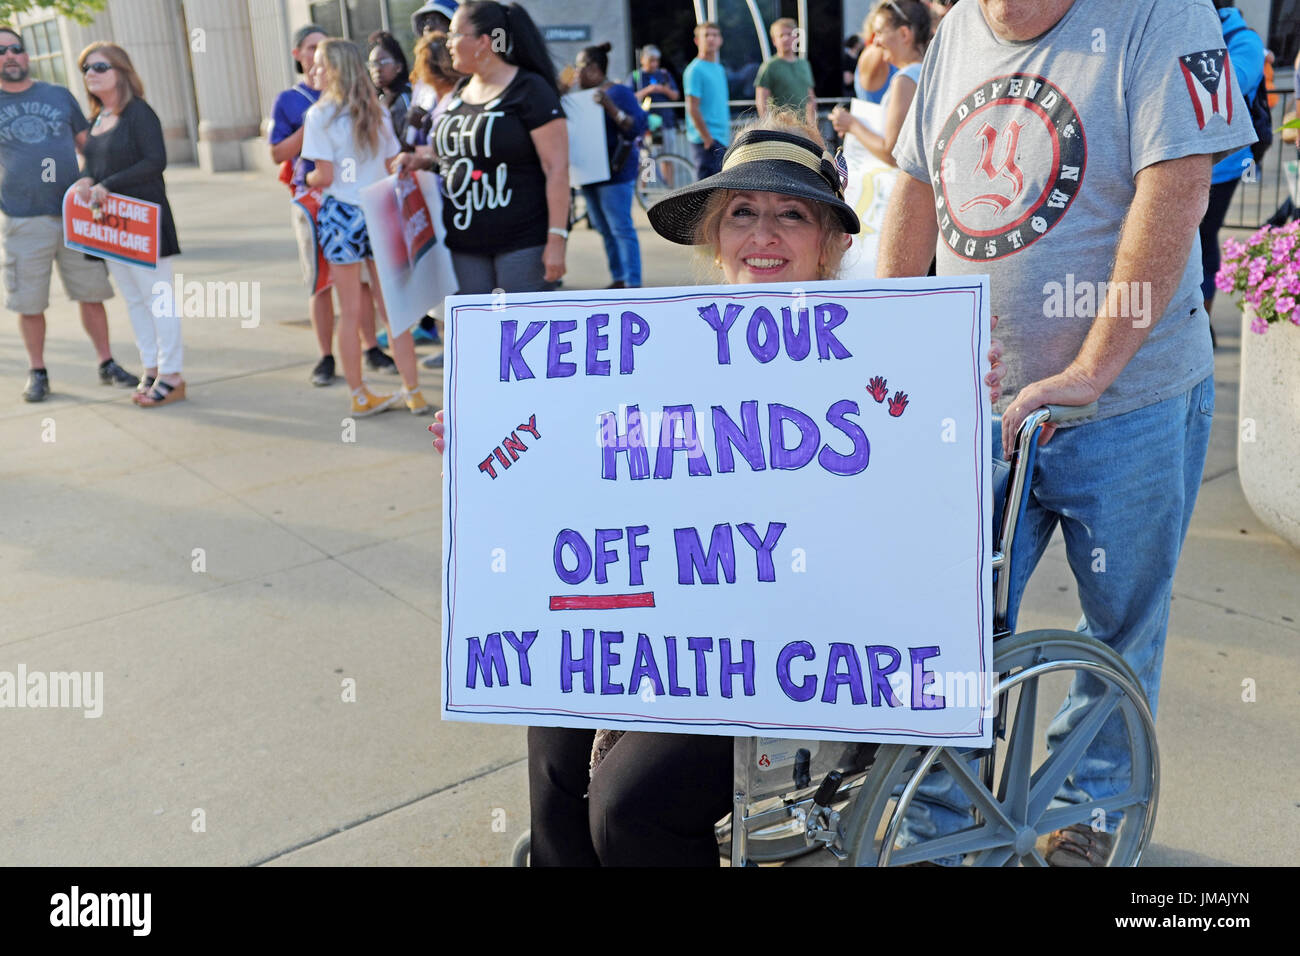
[761,160]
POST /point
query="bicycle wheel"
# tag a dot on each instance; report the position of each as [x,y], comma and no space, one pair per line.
[662,174]
[1016,811]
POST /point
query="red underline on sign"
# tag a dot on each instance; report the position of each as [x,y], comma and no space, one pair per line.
[601,602]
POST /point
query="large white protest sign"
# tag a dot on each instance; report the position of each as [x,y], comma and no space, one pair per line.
[870,182]
[409,245]
[733,510]
[588,147]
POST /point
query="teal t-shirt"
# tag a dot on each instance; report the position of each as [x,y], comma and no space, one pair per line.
[788,80]
[708,81]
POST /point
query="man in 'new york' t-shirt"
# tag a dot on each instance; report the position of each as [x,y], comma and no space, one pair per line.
[41,128]
[1064,148]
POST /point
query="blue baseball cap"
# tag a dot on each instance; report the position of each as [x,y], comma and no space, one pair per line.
[446,8]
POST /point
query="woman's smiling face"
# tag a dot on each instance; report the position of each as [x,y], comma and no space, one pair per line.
[768,237]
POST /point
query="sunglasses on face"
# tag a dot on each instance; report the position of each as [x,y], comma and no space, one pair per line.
[12,48]
[97,67]
[384,62]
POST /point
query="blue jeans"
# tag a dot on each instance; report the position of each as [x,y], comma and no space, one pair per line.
[1122,490]
[609,207]
[708,161]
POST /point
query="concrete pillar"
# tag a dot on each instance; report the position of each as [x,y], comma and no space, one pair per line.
[271,43]
[225,84]
[152,36]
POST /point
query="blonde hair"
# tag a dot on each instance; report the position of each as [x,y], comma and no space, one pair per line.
[833,235]
[347,85]
[778,25]
[129,84]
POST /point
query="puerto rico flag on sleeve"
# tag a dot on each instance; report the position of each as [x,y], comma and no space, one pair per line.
[1209,83]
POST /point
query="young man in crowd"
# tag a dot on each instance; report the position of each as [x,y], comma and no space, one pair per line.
[786,81]
[708,117]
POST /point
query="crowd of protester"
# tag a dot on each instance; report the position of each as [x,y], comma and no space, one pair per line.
[515,244]
[506,208]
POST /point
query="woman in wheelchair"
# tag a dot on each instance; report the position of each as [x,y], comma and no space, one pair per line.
[775,213]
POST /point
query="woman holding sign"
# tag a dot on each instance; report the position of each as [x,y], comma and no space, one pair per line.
[350,138]
[609,204]
[125,155]
[776,213]
[901,30]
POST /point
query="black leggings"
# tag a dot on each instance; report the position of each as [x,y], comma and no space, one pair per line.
[653,802]
[1215,212]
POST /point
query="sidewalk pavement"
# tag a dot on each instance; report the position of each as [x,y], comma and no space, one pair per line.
[237,582]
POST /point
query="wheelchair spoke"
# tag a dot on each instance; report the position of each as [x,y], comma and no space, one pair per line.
[1033,859]
[1047,781]
[953,844]
[1060,817]
[974,789]
[1013,788]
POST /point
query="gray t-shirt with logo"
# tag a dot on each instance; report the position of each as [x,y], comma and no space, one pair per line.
[1032,149]
[38,150]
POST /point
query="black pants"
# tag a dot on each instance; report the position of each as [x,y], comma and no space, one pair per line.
[1215,212]
[653,801]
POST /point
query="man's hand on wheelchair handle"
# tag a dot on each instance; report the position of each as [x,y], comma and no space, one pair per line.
[1068,387]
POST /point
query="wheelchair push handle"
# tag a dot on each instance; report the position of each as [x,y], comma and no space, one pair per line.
[1069,413]
[1053,414]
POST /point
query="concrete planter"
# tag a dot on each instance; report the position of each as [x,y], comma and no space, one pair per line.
[1268,439]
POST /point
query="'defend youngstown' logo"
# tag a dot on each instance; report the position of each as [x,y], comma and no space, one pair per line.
[1010,158]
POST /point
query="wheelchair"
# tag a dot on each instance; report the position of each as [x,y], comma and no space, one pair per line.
[795,797]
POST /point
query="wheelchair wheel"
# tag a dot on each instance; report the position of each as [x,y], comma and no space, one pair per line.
[519,856]
[660,175]
[1012,785]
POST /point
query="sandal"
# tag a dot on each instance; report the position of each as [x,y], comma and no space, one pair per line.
[146,383]
[1079,845]
[160,394]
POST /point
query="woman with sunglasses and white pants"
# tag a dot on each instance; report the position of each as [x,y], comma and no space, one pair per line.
[125,154]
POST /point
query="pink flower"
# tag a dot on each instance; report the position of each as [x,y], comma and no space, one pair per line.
[1284,305]
[1267,283]
[1233,249]
[1223,281]
[1258,325]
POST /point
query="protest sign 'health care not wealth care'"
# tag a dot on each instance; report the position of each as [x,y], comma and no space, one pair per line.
[741,510]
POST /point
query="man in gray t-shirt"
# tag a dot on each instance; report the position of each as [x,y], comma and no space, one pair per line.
[1064,147]
[41,129]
